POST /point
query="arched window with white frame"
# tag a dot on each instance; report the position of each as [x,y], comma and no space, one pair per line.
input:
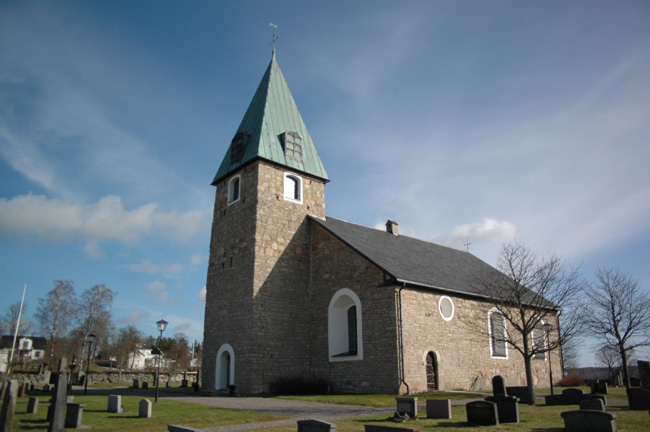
[292,187]
[344,326]
[498,334]
[225,368]
[234,189]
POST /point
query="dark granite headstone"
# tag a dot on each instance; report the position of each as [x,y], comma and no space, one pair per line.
[407,406]
[438,408]
[589,421]
[144,408]
[507,407]
[9,394]
[600,387]
[644,372]
[145,384]
[521,393]
[498,386]
[592,404]
[315,426]
[73,415]
[482,413]
[638,398]
[136,383]
[32,405]
[184,383]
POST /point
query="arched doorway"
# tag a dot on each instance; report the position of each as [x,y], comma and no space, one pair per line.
[225,370]
[432,372]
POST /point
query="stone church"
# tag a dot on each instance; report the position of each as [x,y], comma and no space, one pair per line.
[293,293]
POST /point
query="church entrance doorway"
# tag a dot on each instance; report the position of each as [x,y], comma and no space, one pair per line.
[225,370]
[432,372]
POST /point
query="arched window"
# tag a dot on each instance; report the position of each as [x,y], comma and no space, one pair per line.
[234,189]
[539,342]
[345,336]
[497,329]
[225,368]
[292,187]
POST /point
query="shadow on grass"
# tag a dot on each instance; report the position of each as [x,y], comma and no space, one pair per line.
[548,430]
[34,424]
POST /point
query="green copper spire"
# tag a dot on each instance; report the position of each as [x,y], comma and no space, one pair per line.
[273,129]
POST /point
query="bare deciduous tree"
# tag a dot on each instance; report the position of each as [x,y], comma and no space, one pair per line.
[94,314]
[10,319]
[55,313]
[617,312]
[528,292]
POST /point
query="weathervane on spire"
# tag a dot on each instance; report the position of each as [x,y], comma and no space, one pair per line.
[275,37]
[467,244]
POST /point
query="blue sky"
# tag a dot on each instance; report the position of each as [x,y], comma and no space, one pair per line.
[461,120]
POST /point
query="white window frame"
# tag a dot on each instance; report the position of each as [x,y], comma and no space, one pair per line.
[337,326]
[453,308]
[231,189]
[505,334]
[297,187]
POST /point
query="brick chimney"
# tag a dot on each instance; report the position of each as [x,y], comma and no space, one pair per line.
[391,227]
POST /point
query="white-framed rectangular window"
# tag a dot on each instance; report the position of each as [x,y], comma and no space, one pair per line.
[538,337]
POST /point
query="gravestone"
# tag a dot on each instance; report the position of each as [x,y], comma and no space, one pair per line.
[184,383]
[589,421]
[114,404]
[177,428]
[32,405]
[145,384]
[507,406]
[644,372]
[572,396]
[46,388]
[438,408]
[638,398]
[407,406]
[32,387]
[22,390]
[136,383]
[144,408]
[56,413]
[521,393]
[315,425]
[73,415]
[9,393]
[482,413]
[592,404]
[498,386]
[600,387]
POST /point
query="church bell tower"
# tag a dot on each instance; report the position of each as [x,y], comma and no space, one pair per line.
[258,298]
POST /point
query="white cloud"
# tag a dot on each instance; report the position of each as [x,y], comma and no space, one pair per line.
[57,220]
[157,286]
[488,231]
[134,318]
[202,293]
[147,266]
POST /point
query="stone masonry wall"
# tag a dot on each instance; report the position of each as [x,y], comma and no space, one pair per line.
[229,288]
[463,355]
[258,279]
[336,266]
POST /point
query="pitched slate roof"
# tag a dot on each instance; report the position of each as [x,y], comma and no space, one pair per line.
[412,261]
[272,112]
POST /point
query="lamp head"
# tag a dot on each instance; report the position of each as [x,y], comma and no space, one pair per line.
[162,325]
[91,338]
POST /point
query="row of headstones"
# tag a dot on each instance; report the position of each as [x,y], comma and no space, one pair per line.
[145,384]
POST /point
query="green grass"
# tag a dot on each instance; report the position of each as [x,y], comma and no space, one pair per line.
[163,413]
[537,418]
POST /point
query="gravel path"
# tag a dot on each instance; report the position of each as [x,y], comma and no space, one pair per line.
[295,410]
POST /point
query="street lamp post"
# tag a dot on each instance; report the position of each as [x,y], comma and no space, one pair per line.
[91,339]
[162,325]
[548,327]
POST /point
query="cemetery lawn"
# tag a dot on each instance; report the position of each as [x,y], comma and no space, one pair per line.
[163,413]
[380,400]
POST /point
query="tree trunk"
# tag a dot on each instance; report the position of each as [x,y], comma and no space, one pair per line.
[530,387]
[626,373]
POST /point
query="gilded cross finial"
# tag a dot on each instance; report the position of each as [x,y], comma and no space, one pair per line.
[275,37]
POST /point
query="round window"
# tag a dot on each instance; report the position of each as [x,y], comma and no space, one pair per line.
[446,308]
